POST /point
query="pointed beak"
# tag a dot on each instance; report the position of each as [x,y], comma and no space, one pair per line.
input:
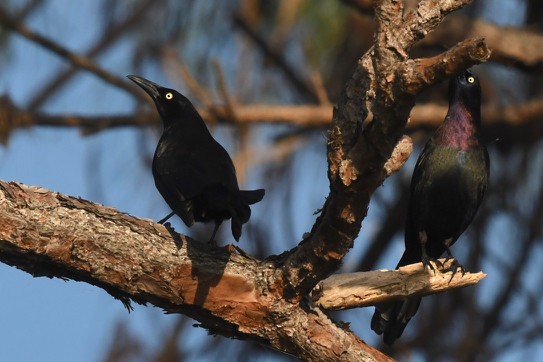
[148,86]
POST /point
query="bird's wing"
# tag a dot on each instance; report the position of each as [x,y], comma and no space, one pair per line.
[420,174]
[168,186]
[417,206]
[193,171]
[185,178]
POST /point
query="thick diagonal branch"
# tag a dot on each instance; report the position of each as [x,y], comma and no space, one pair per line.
[54,235]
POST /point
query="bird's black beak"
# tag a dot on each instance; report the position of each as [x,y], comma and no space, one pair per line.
[148,86]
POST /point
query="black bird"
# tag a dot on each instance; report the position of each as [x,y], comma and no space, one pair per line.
[192,171]
[448,185]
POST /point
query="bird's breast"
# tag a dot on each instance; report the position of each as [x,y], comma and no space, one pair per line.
[164,148]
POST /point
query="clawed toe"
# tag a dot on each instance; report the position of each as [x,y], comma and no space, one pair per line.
[427,263]
[454,268]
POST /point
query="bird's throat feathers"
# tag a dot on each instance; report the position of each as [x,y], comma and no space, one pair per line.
[459,129]
[186,119]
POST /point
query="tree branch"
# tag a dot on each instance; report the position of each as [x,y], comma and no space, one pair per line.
[354,290]
[516,47]
[422,115]
[356,154]
[81,62]
[109,38]
[417,73]
[277,58]
[54,235]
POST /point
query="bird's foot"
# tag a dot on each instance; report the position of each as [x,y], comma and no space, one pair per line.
[212,243]
[165,218]
[428,262]
[455,266]
[242,252]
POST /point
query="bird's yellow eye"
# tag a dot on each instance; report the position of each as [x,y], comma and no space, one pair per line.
[169,96]
[471,80]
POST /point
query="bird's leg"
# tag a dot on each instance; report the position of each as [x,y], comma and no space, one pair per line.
[423,238]
[455,264]
[426,260]
[164,219]
[446,245]
[212,239]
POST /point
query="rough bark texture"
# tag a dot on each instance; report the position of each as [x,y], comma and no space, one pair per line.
[54,235]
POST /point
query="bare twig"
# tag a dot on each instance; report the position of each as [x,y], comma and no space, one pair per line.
[277,58]
[320,90]
[516,47]
[108,39]
[399,156]
[417,73]
[181,68]
[344,291]
[81,62]
[231,103]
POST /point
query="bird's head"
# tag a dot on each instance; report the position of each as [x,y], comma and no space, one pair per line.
[170,104]
[465,89]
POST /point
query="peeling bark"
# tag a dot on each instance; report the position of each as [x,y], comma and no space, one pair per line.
[54,235]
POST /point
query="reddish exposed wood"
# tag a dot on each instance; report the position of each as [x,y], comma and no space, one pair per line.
[50,234]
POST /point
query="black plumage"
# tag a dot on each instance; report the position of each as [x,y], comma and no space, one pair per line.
[447,187]
[193,172]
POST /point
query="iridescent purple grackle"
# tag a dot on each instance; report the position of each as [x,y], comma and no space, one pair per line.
[448,185]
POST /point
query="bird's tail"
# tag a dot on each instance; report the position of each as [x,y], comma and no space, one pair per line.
[390,319]
[246,198]
[241,211]
[250,197]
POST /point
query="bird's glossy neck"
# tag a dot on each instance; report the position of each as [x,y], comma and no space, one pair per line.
[189,119]
[461,126]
